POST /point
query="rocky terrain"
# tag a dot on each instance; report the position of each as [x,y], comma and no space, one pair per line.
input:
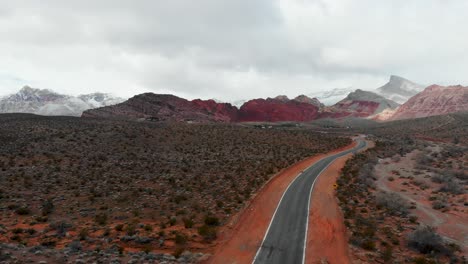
[388,200]
[47,102]
[359,104]
[399,89]
[105,187]
[434,100]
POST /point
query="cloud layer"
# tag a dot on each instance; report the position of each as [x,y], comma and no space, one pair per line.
[229,49]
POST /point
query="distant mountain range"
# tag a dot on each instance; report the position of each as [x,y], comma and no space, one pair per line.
[377,105]
[47,102]
[160,107]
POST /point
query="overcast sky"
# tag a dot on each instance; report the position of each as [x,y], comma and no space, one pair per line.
[229,49]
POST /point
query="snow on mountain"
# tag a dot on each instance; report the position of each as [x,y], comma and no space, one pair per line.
[47,102]
[333,96]
[238,103]
[399,89]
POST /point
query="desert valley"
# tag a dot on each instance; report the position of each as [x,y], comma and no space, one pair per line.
[161,179]
[234,132]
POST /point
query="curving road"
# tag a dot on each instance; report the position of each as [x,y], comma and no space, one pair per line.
[285,238]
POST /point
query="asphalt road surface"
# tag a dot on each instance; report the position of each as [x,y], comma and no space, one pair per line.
[285,239]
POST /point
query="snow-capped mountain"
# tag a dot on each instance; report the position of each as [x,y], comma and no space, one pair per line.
[47,102]
[399,89]
[331,97]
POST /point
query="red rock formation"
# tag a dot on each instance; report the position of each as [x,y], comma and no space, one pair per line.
[274,110]
[167,107]
[434,100]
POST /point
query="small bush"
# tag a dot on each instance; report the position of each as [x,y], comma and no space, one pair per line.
[207,232]
[83,234]
[119,227]
[180,239]
[368,244]
[453,187]
[188,223]
[23,211]
[101,219]
[426,240]
[393,202]
[212,221]
[47,207]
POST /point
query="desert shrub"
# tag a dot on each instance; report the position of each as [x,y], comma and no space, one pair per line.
[453,187]
[180,239]
[188,223]
[438,178]
[75,246]
[119,227]
[178,252]
[47,207]
[60,227]
[425,240]
[172,221]
[211,221]
[83,234]
[131,229]
[17,231]
[368,244]
[438,204]
[392,202]
[148,228]
[23,211]
[387,254]
[367,174]
[207,232]
[101,219]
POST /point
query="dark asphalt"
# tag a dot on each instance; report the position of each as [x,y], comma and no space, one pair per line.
[285,238]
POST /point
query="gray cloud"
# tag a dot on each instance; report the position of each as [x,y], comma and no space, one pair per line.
[229,49]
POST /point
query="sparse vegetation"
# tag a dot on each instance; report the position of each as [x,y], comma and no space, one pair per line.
[89,179]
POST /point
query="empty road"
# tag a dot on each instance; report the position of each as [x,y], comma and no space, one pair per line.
[285,239]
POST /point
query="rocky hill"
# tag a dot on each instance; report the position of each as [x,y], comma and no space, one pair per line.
[359,104]
[278,109]
[399,89]
[47,102]
[164,107]
[434,100]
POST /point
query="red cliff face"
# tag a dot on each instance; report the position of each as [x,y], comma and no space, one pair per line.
[434,100]
[170,107]
[275,110]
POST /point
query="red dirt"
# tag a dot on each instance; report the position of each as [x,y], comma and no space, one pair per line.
[326,238]
[327,235]
[240,239]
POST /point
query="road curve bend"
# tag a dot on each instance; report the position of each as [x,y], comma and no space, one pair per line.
[285,238]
